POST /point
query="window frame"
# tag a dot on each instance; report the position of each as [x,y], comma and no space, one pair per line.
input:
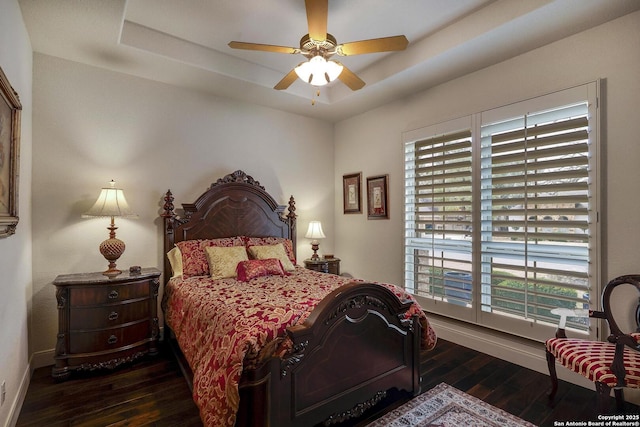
[538,331]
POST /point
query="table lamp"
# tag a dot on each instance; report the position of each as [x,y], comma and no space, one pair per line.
[111,203]
[315,232]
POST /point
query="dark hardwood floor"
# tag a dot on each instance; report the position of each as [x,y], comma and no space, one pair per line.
[153,392]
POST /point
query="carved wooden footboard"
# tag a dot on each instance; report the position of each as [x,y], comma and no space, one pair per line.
[356,345]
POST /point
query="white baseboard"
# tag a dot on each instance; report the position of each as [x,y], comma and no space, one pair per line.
[526,353]
[16,405]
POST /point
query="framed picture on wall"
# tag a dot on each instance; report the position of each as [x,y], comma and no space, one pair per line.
[377,197]
[351,193]
[10,110]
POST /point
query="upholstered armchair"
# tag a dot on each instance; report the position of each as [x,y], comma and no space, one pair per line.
[612,364]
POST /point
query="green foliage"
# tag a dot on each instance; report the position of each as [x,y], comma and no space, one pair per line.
[541,303]
[436,281]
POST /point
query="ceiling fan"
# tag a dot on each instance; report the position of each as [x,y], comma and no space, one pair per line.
[318,46]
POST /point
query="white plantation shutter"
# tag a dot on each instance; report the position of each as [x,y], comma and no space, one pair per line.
[440,208]
[535,187]
[501,218]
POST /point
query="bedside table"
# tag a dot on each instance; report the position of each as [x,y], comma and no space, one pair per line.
[103,322]
[319,264]
[324,265]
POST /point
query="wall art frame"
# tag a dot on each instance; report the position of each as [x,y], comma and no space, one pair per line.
[10,115]
[351,193]
[378,197]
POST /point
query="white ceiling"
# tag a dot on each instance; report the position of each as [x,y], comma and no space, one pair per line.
[184,42]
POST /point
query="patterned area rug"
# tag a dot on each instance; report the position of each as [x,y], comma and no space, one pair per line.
[446,406]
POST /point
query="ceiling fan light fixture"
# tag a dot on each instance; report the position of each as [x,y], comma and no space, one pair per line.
[318,45]
[318,71]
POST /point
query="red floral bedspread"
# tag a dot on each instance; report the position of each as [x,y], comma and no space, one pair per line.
[219,323]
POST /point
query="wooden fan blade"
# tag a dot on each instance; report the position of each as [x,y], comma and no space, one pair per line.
[286,81]
[350,79]
[263,47]
[384,44]
[317,13]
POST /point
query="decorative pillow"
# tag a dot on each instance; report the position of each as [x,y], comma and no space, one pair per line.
[224,260]
[194,259]
[272,251]
[253,268]
[175,260]
[266,241]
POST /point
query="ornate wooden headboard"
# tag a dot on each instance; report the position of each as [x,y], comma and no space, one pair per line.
[235,205]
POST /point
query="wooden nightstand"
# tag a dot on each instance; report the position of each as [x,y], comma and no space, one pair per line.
[324,265]
[319,264]
[102,322]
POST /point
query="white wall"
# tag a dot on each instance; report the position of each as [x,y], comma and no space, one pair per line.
[371,143]
[15,251]
[92,125]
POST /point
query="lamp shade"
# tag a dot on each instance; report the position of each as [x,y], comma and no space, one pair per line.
[318,71]
[111,202]
[315,231]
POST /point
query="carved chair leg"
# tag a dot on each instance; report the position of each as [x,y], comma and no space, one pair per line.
[619,393]
[551,363]
[603,393]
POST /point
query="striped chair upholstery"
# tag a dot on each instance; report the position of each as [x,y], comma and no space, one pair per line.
[612,364]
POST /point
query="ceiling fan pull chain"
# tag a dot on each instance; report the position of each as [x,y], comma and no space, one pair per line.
[313,100]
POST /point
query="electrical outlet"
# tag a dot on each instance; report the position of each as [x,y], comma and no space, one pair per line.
[3,392]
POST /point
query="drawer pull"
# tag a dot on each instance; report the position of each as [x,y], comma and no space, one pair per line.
[113,294]
[113,315]
[112,339]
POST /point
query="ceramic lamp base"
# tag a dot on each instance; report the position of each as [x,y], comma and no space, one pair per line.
[112,249]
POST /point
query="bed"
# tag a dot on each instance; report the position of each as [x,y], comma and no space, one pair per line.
[317,349]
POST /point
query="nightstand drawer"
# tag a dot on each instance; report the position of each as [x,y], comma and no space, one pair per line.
[105,294]
[83,319]
[108,339]
[334,265]
[317,264]
[324,265]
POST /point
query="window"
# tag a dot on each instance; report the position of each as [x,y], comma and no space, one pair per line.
[501,214]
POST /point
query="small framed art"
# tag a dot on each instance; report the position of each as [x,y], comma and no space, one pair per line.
[351,193]
[377,197]
[10,110]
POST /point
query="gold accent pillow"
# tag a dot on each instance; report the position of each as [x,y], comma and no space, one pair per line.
[175,259]
[224,260]
[272,251]
[266,241]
